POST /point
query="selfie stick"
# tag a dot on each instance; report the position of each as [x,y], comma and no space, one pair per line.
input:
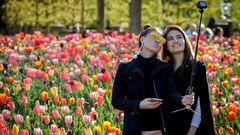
[201,5]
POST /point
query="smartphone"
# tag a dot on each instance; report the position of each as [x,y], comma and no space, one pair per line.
[155,100]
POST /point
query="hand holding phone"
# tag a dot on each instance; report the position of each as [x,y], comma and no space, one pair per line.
[155,100]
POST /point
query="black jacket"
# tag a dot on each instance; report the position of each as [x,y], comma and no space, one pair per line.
[128,91]
[179,123]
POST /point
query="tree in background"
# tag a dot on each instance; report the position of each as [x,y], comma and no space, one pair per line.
[135,16]
[2,13]
[28,15]
[100,16]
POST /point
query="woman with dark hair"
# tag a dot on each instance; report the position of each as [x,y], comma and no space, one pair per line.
[178,51]
[141,86]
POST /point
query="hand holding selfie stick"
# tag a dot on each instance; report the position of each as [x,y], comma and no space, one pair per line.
[201,5]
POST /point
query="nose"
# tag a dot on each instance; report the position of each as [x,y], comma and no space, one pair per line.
[175,40]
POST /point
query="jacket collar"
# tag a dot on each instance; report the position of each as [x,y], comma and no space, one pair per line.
[133,67]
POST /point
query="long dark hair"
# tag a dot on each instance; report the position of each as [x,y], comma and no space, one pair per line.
[188,51]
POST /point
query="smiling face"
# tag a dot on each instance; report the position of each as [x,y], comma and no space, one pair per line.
[175,42]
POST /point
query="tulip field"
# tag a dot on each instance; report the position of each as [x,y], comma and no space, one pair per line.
[63,86]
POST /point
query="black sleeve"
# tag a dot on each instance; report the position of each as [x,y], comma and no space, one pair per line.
[172,91]
[205,102]
[119,100]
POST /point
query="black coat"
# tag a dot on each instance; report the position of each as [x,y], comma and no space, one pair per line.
[179,123]
[128,91]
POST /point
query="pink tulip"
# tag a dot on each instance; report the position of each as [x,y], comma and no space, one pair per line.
[80,62]
[100,100]
[68,88]
[55,61]
[55,114]
[64,109]
[68,119]
[11,105]
[65,76]
[27,81]
[32,57]
[46,119]
[84,78]
[216,112]
[86,119]
[24,100]
[93,95]
[101,91]
[1,85]
[231,98]
[18,119]
[6,115]
[78,111]
[77,71]
[81,100]
[54,129]
[37,131]
[77,85]
[71,75]
[39,109]
[24,132]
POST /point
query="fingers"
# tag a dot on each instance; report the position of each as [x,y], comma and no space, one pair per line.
[188,100]
[154,105]
[150,103]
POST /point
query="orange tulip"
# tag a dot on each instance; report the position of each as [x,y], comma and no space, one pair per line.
[1,67]
[56,99]
[225,83]
[95,78]
[72,101]
[95,87]
[63,101]
[15,129]
[10,80]
[106,125]
[45,95]
[38,64]
[232,107]
[220,131]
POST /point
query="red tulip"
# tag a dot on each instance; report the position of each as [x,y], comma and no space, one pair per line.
[231,115]
[106,77]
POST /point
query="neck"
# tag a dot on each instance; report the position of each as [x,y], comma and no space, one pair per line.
[146,53]
[177,60]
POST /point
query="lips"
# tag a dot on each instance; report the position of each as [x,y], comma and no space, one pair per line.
[176,46]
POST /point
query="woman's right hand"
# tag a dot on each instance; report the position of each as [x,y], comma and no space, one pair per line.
[150,103]
[188,100]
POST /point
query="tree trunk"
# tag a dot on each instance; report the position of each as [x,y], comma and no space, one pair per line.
[135,16]
[82,16]
[100,17]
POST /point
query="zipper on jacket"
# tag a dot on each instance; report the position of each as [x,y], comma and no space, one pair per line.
[160,108]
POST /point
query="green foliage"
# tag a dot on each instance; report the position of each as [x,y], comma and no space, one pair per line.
[69,12]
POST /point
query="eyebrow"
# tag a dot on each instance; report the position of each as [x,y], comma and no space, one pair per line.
[179,36]
[169,37]
[176,36]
